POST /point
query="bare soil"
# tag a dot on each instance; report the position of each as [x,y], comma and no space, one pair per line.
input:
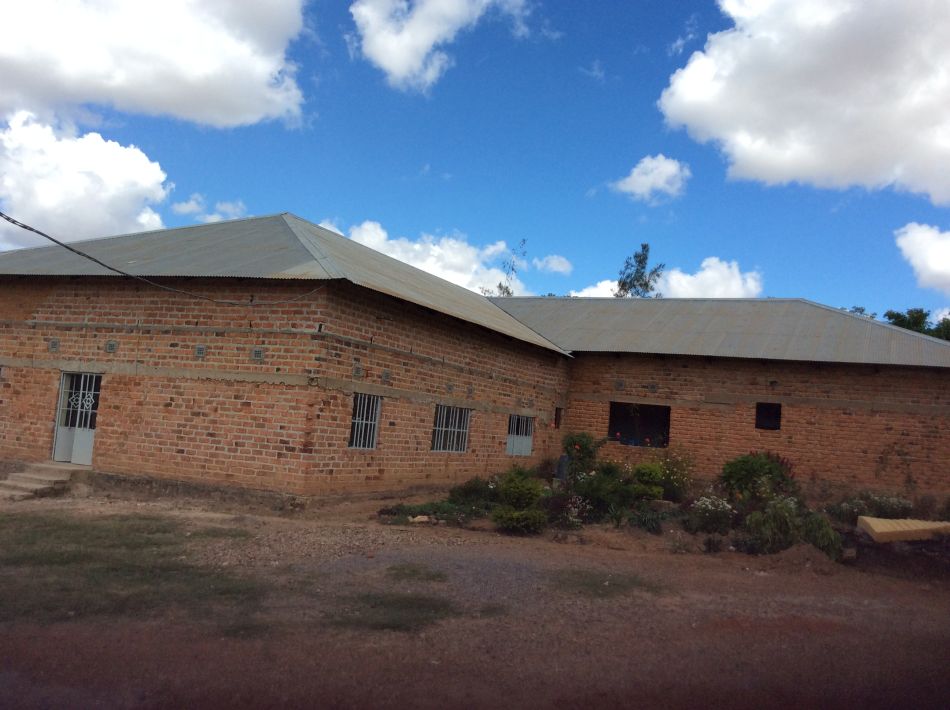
[353,613]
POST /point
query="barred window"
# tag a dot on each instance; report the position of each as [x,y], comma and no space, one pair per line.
[365,424]
[520,435]
[450,429]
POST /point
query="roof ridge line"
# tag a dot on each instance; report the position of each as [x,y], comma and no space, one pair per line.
[309,243]
[876,322]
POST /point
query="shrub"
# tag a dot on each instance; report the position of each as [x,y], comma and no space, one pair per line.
[710,514]
[650,473]
[776,528]
[581,450]
[520,522]
[817,531]
[712,544]
[475,491]
[645,518]
[616,514]
[865,503]
[676,480]
[605,491]
[565,510]
[519,492]
[758,476]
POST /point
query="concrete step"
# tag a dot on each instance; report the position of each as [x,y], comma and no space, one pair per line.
[11,493]
[52,468]
[26,486]
[44,477]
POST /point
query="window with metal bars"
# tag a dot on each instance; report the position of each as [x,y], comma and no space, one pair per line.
[520,435]
[365,424]
[450,429]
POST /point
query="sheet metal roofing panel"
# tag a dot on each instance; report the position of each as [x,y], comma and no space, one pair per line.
[275,247]
[771,329]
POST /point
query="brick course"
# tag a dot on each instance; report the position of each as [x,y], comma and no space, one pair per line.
[283,423]
[861,426]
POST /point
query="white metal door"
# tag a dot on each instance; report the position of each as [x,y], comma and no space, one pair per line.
[76,417]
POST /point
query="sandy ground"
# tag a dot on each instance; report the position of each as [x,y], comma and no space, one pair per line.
[724,630]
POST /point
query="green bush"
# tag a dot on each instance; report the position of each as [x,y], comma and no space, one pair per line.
[650,473]
[758,477]
[565,509]
[475,491]
[581,449]
[646,518]
[775,528]
[610,487]
[877,506]
[677,478]
[710,514]
[518,491]
[520,522]
[817,531]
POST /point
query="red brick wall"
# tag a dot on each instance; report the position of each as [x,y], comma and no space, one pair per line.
[859,426]
[281,424]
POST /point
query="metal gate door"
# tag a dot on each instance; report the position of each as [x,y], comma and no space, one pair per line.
[76,417]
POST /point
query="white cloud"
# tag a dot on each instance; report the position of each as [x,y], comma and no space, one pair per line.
[601,289]
[595,71]
[927,249]
[715,279]
[193,205]
[831,93]
[217,62]
[653,176]
[74,186]
[939,315]
[405,39]
[451,258]
[331,224]
[224,210]
[553,263]
[689,34]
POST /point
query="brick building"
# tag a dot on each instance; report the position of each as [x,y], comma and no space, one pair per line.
[270,353]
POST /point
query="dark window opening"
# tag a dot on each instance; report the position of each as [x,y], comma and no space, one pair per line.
[639,424]
[768,415]
[558,415]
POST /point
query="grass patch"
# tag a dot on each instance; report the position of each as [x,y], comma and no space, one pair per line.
[59,567]
[395,612]
[599,585]
[415,573]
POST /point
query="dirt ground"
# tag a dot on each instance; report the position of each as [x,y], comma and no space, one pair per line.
[603,618]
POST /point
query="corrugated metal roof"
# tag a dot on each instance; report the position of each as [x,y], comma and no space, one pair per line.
[771,329]
[276,247]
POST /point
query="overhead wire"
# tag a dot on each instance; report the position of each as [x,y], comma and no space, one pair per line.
[155,284]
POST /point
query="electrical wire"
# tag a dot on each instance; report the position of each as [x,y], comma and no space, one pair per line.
[150,282]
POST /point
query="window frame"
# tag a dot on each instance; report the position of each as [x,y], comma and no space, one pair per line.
[637,437]
[450,429]
[520,435]
[768,416]
[364,421]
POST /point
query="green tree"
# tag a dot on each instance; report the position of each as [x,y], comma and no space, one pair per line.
[918,320]
[636,278]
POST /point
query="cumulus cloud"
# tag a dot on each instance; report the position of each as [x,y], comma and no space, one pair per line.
[714,279]
[224,210]
[601,289]
[452,258]
[554,264]
[73,185]
[654,176]
[195,204]
[940,314]
[832,93]
[406,39]
[217,63]
[927,249]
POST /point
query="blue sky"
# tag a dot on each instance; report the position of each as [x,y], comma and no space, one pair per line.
[775,148]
